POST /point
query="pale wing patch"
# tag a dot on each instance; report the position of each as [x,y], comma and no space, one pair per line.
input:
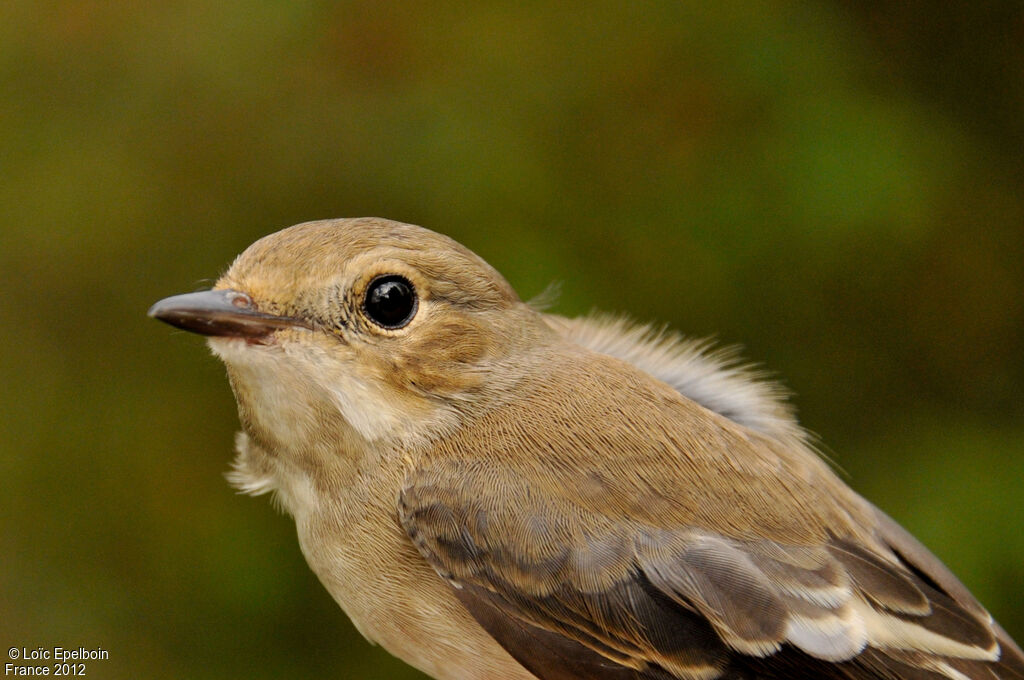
[756,602]
[888,631]
[758,595]
[834,637]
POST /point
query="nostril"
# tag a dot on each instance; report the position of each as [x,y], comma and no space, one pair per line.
[241,300]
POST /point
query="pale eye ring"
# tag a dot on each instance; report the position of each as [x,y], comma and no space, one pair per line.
[390,301]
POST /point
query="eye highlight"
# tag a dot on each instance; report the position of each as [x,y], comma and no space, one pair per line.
[390,301]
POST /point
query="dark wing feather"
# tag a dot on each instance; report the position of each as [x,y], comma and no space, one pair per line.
[545,653]
[919,560]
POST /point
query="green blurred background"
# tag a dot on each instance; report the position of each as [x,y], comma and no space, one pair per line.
[834,185]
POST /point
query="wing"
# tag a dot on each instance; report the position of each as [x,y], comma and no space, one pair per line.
[585,559]
[617,599]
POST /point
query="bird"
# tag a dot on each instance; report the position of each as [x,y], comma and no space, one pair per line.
[489,490]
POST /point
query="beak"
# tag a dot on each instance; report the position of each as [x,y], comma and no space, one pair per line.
[220,313]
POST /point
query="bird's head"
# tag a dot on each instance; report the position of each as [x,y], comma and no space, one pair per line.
[361,328]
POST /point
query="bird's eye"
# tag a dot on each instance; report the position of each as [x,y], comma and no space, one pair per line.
[390,301]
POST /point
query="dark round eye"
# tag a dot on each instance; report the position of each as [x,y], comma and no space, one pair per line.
[390,301]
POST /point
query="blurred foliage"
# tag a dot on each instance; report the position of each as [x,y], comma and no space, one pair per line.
[836,185]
